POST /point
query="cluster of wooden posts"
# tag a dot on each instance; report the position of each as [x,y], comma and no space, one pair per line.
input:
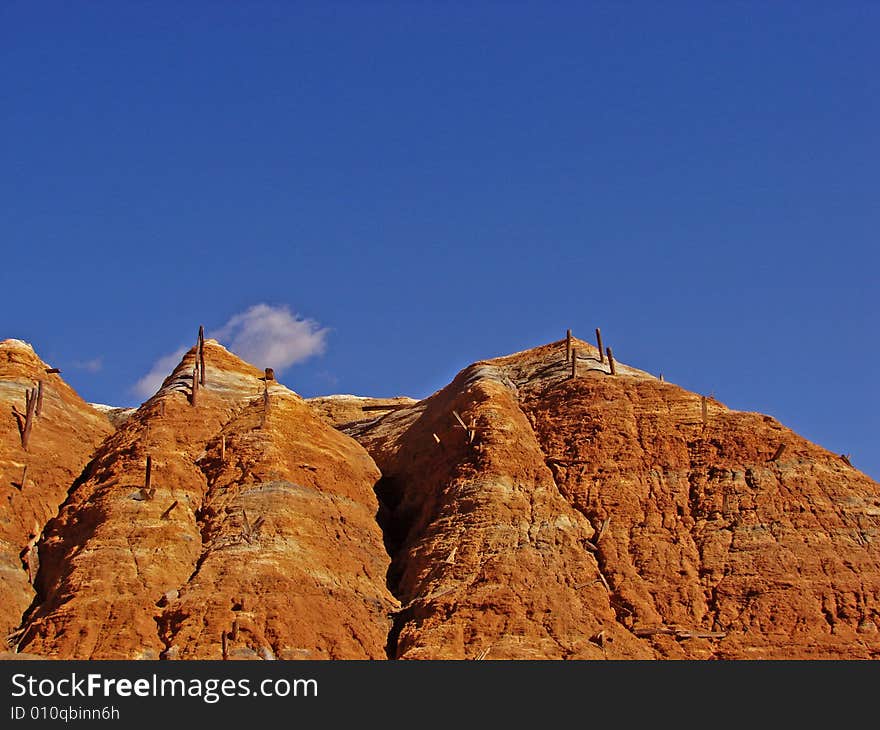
[33,400]
[572,357]
[33,409]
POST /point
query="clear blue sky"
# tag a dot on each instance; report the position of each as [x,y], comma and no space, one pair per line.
[441,182]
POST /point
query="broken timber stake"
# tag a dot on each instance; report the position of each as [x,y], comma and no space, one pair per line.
[270,374]
[846,459]
[567,345]
[470,432]
[23,478]
[31,401]
[778,452]
[167,512]
[599,341]
[39,397]
[574,364]
[661,377]
[223,645]
[201,355]
[704,405]
[195,385]
[148,478]
[687,634]
[233,634]
[610,360]
[458,418]
[603,528]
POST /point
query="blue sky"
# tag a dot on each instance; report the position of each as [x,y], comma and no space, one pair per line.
[428,184]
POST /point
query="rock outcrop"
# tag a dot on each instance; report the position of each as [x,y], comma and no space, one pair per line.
[528,510]
[35,481]
[604,515]
[255,538]
[345,411]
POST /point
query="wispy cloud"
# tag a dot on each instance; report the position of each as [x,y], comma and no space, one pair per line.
[90,366]
[272,336]
[152,381]
[264,335]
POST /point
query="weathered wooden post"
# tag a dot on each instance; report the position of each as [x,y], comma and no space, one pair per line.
[599,341]
[148,479]
[23,478]
[270,374]
[574,364]
[195,385]
[610,360]
[778,452]
[661,377]
[704,405]
[567,345]
[167,513]
[30,399]
[201,355]
[39,397]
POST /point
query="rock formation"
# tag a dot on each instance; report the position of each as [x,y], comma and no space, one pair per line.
[532,509]
[64,433]
[255,536]
[532,514]
[345,411]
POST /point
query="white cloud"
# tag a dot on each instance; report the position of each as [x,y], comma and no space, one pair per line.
[90,366]
[152,381]
[272,337]
[263,335]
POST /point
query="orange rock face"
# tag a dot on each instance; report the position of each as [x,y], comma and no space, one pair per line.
[35,481]
[255,538]
[523,512]
[601,515]
[345,411]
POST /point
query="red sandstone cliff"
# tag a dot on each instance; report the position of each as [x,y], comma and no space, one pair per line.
[521,513]
[35,481]
[270,549]
[599,516]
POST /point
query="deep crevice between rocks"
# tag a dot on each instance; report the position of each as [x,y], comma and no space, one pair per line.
[394,531]
[22,632]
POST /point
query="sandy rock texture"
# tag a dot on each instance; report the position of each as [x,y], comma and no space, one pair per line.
[531,509]
[603,516]
[255,539]
[63,438]
[348,410]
